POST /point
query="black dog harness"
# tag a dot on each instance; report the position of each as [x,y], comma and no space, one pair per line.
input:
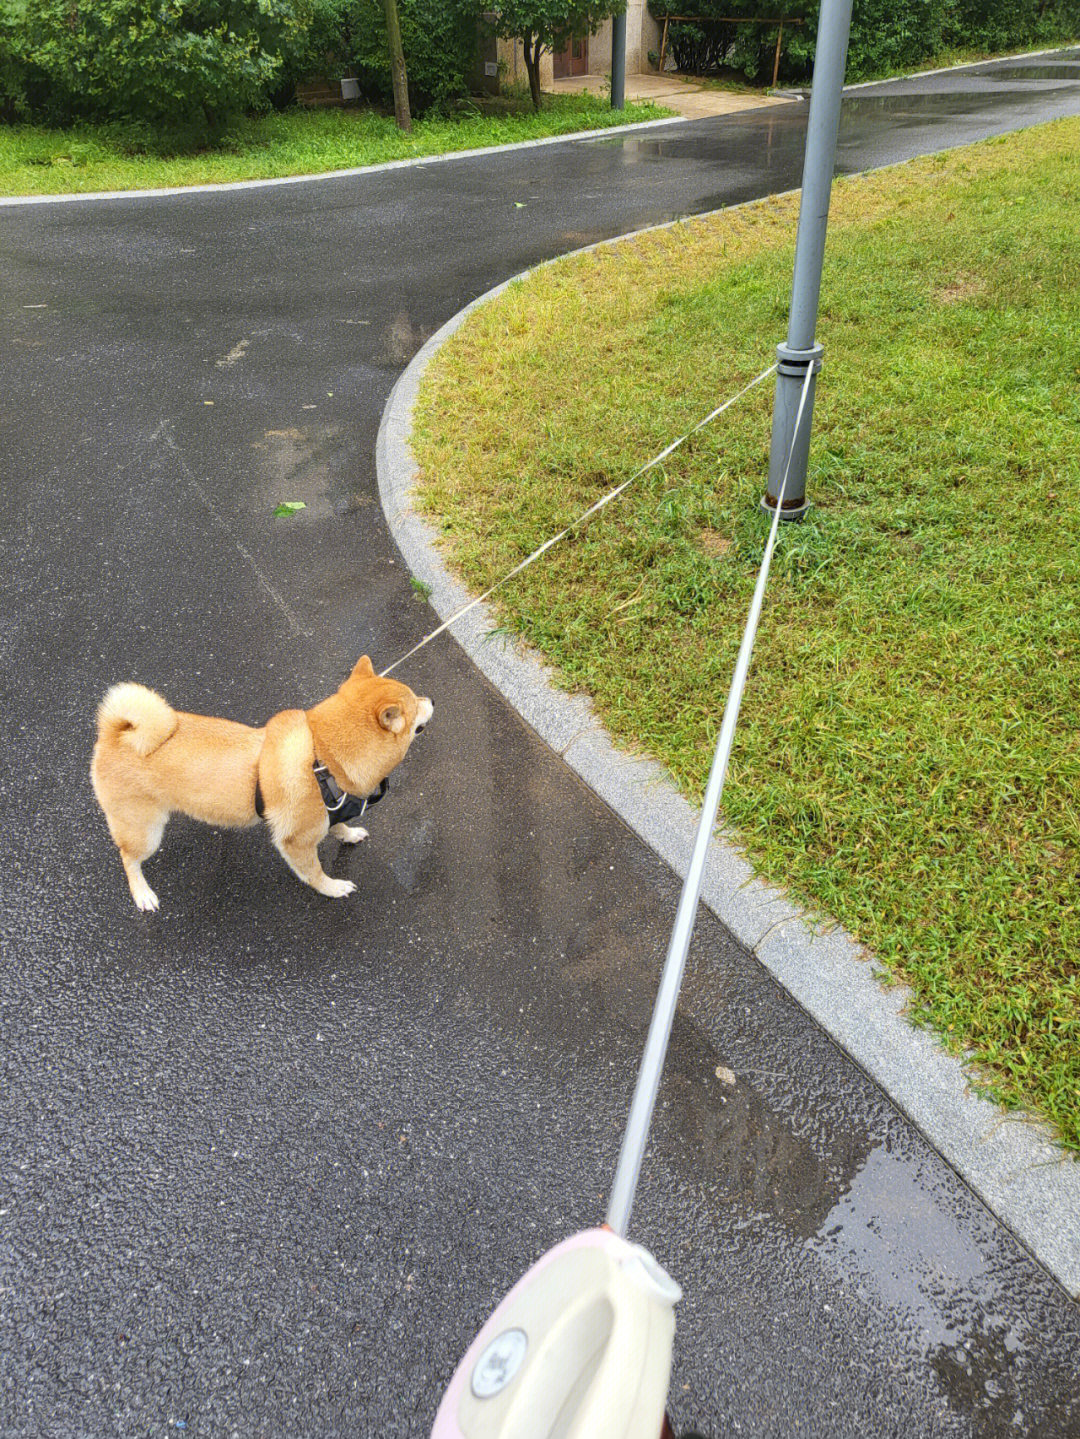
[341,808]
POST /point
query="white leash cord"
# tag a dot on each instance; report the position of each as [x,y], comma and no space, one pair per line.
[581,519]
[652,1063]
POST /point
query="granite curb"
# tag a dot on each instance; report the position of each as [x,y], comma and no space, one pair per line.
[409,162]
[1010,1161]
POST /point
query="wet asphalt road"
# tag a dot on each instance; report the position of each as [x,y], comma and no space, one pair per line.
[267,1160]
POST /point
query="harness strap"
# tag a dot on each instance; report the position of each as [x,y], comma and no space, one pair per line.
[340,806]
[344,808]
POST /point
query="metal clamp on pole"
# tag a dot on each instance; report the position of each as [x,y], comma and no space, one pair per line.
[788,448]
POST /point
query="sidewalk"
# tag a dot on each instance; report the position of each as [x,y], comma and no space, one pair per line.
[689,98]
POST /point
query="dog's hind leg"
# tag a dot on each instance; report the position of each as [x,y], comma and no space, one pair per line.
[137,842]
[348,833]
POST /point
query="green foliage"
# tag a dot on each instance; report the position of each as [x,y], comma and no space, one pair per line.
[885,37]
[554,22]
[440,40]
[322,49]
[162,61]
[17,77]
[1007,24]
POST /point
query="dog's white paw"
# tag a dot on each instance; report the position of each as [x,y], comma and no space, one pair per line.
[349,833]
[145,898]
[338,888]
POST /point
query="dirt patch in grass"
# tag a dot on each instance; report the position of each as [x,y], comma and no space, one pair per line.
[964,288]
[908,757]
[715,545]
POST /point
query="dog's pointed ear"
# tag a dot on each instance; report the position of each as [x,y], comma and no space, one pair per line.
[363,669]
[392,717]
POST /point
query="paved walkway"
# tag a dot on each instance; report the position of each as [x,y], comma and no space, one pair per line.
[690,98]
[266,1160]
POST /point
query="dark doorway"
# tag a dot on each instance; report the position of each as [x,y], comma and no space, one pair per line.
[573,60]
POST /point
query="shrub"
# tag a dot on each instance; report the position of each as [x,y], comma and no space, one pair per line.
[885,37]
[1007,24]
[322,50]
[162,61]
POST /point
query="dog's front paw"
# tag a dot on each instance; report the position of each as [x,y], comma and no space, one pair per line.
[337,888]
[144,897]
[348,833]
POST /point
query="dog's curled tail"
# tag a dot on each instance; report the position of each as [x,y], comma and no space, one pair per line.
[136,716]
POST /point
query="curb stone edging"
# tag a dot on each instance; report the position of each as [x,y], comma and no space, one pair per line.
[803,93]
[438,157]
[1011,1162]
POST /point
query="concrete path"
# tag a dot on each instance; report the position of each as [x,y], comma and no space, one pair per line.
[265,1159]
[689,98]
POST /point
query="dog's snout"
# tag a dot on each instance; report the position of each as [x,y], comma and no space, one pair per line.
[424,710]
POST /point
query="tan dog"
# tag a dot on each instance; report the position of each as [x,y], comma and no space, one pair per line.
[152,761]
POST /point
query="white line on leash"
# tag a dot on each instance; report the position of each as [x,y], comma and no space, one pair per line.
[648,1081]
[596,1312]
[581,519]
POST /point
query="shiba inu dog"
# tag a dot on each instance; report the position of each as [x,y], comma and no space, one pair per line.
[297,773]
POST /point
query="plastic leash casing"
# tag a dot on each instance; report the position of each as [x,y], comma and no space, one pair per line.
[580,1349]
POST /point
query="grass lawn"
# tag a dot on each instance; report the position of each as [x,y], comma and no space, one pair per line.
[908,757]
[35,160]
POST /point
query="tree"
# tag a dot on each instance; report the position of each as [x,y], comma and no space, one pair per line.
[397,67]
[438,40]
[549,25]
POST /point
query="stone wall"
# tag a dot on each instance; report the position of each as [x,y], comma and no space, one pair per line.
[642,35]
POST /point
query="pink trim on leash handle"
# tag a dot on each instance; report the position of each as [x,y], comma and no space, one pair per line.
[581,1346]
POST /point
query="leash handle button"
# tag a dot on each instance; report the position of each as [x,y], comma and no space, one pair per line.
[499,1362]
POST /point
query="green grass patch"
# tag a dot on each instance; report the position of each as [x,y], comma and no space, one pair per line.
[35,160]
[952,56]
[908,757]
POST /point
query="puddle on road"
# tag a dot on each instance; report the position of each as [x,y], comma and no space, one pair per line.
[297,462]
[893,108]
[749,136]
[1059,70]
[892,1239]
[399,341]
[898,1243]
[749,1158]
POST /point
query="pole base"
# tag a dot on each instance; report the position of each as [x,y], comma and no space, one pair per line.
[790,510]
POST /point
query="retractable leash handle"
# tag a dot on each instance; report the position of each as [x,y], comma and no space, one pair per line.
[581,1346]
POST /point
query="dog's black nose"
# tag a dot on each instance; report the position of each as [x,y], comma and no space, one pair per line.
[419,727]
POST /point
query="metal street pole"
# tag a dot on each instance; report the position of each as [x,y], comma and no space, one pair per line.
[801,351]
[618,61]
